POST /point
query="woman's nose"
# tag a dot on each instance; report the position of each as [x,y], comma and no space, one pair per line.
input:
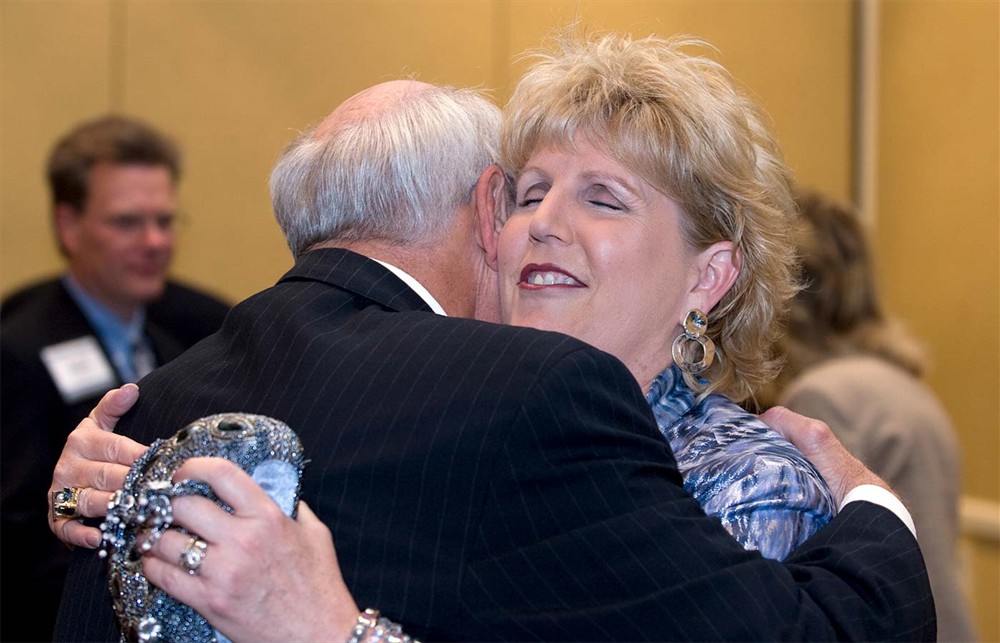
[550,222]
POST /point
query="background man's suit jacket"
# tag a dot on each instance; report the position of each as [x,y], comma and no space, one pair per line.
[487,482]
[36,420]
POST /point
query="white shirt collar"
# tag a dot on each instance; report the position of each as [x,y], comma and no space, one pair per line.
[410,281]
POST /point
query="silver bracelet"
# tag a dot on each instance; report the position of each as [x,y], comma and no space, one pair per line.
[372,627]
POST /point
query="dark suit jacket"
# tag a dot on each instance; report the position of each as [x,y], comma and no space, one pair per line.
[489,482]
[34,423]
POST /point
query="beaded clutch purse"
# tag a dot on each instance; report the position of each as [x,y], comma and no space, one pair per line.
[140,513]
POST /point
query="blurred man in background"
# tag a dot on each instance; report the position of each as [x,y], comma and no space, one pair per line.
[111,318]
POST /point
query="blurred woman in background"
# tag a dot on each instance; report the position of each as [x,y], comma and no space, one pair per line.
[857,369]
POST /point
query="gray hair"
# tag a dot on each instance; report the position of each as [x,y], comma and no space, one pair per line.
[397,175]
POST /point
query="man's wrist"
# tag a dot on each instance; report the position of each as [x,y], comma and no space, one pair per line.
[884,498]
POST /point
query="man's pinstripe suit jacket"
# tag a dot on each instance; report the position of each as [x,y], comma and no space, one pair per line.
[489,482]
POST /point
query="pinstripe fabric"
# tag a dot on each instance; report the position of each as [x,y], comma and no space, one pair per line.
[487,482]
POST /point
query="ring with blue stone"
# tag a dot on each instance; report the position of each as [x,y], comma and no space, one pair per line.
[65,503]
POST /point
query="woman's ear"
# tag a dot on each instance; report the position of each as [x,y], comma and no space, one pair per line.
[491,204]
[718,267]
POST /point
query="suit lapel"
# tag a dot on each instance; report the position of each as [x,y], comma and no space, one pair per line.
[358,274]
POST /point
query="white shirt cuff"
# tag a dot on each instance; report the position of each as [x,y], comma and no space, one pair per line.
[883,498]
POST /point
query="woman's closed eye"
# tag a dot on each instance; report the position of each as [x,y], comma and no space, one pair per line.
[605,204]
[602,197]
[532,196]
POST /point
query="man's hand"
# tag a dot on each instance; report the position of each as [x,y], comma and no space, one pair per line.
[841,470]
[265,576]
[96,461]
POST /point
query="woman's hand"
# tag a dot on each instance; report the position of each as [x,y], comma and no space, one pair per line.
[263,575]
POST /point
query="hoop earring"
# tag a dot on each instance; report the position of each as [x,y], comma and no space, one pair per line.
[695,327]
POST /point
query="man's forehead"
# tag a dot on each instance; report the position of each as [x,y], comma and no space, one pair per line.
[114,184]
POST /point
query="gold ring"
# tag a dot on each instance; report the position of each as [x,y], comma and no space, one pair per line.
[65,502]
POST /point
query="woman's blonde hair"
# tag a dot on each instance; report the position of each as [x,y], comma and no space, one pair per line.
[680,122]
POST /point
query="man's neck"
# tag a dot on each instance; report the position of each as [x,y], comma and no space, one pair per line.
[433,266]
[126,314]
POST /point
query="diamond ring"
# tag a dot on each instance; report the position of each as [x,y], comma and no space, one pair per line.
[192,554]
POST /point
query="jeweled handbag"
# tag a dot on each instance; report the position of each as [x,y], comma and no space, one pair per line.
[140,512]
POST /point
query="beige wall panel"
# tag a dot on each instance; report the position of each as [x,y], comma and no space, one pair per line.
[53,73]
[795,57]
[237,81]
[939,206]
[939,224]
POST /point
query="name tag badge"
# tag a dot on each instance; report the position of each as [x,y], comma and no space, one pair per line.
[79,368]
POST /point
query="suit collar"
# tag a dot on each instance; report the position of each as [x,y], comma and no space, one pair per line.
[357,274]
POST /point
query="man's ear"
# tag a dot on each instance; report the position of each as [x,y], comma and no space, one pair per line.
[718,267]
[67,220]
[490,208]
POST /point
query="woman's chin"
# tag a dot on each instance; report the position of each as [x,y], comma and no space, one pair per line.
[539,322]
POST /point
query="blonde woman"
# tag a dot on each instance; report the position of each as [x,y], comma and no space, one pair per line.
[651,219]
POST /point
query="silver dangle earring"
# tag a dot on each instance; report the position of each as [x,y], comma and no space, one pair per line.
[684,350]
